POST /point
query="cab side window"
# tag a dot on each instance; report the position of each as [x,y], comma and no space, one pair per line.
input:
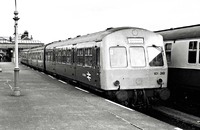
[168,49]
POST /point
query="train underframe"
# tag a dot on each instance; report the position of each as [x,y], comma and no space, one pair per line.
[138,98]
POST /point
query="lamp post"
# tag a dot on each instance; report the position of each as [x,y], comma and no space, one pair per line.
[16,69]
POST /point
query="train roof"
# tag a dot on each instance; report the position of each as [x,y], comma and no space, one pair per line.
[186,32]
[98,36]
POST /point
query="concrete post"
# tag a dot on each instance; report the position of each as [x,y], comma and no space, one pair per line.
[16,69]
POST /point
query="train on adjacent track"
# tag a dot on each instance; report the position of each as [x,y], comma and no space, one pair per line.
[127,63]
[182,47]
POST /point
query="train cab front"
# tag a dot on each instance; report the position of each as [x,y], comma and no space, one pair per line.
[135,68]
[140,80]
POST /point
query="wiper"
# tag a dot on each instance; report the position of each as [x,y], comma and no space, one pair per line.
[158,47]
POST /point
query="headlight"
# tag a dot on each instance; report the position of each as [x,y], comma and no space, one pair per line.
[160,81]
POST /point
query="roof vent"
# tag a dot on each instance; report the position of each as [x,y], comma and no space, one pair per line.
[109,28]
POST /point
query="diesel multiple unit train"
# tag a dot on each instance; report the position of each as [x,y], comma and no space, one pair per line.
[129,64]
[183,55]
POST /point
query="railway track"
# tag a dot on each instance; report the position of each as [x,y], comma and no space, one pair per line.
[175,117]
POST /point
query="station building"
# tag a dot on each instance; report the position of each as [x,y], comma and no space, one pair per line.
[7,46]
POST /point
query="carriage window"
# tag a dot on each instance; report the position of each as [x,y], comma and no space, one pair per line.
[39,56]
[59,56]
[168,48]
[199,52]
[118,57]
[48,56]
[98,57]
[88,57]
[192,54]
[80,57]
[56,56]
[137,56]
[63,56]
[68,57]
[155,56]
[53,55]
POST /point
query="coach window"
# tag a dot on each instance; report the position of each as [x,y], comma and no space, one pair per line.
[68,56]
[63,56]
[98,57]
[39,56]
[59,55]
[192,54]
[118,57]
[137,56]
[49,56]
[199,52]
[88,57]
[80,57]
[56,56]
[168,48]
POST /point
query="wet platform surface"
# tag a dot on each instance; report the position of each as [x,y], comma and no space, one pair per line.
[49,104]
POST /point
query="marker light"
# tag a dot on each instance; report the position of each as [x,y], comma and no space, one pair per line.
[116,83]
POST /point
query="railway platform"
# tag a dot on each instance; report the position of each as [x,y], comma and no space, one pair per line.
[50,104]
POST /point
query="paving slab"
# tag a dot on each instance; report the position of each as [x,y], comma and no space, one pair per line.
[47,104]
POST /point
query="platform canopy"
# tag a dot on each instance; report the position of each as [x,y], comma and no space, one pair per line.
[7,42]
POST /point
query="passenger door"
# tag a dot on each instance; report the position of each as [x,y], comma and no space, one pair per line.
[54,61]
[97,67]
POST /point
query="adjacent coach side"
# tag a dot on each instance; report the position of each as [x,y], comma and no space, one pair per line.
[183,55]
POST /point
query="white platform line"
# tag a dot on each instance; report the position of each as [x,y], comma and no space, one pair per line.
[9,85]
[119,105]
[178,128]
[128,122]
[42,72]
[62,81]
[51,76]
[81,89]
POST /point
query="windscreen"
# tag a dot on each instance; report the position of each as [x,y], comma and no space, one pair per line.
[118,57]
[137,56]
[155,56]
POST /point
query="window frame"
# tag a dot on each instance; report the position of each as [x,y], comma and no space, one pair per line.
[130,55]
[168,52]
[191,49]
[126,57]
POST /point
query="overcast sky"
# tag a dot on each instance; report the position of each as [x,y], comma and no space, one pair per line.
[51,20]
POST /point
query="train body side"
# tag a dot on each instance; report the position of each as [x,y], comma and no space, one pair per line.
[184,63]
[129,63]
